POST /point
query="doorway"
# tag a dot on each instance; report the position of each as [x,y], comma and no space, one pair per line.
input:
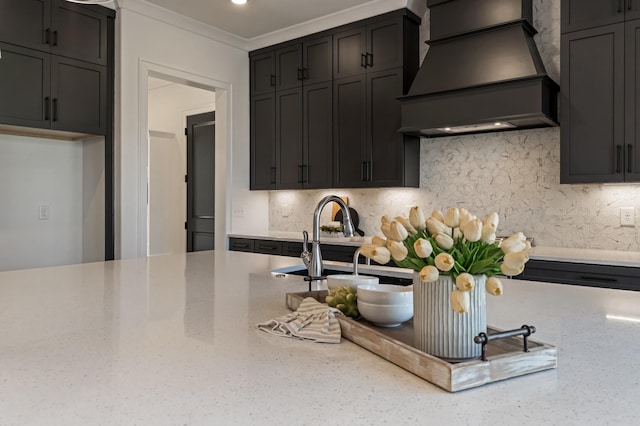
[201,155]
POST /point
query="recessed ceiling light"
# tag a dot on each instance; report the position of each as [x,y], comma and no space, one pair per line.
[238,1]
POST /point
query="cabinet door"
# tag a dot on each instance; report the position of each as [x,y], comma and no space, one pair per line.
[78,32]
[385,150]
[592,105]
[384,45]
[263,142]
[289,139]
[24,87]
[241,244]
[632,101]
[581,14]
[318,135]
[25,23]
[78,96]
[263,73]
[268,247]
[349,120]
[317,60]
[349,48]
[289,67]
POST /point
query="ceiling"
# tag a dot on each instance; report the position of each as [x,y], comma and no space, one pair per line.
[256,17]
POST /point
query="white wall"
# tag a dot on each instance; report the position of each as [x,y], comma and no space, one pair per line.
[93,200]
[167,45]
[35,172]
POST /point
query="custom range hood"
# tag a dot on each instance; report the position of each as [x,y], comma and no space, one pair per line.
[482,72]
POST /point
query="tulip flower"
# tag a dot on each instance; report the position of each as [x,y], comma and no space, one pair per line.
[460,301]
[416,218]
[437,214]
[494,286]
[380,255]
[386,229]
[488,238]
[465,282]
[491,222]
[511,272]
[434,226]
[514,260]
[429,274]
[385,219]
[397,232]
[407,225]
[472,230]
[514,243]
[444,241]
[398,250]
[444,262]
[378,241]
[423,248]
[465,216]
[527,246]
[452,218]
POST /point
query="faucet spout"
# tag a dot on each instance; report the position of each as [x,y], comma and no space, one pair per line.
[315,264]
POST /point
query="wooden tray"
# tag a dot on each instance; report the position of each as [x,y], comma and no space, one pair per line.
[505,357]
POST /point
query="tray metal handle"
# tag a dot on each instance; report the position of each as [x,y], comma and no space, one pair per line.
[524,331]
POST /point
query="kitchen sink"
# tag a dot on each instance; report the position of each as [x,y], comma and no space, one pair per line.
[396,276]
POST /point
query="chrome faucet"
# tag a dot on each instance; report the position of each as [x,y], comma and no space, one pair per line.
[313,262]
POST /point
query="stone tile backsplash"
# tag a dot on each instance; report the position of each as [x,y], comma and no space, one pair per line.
[516,174]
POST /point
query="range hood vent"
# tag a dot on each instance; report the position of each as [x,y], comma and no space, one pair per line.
[482,72]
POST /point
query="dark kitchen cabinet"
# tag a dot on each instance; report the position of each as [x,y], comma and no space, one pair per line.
[580,14]
[53,92]
[242,244]
[55,26]
[599,98]
[291,144]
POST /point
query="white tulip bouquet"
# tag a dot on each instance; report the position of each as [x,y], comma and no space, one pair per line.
[457,244]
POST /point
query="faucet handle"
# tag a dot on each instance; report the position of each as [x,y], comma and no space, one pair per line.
[305,255]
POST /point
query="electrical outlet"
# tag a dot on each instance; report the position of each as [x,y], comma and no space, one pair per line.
[627,216]
[43,212]
[238,212]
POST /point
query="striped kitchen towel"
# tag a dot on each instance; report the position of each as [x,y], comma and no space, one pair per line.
[312,321]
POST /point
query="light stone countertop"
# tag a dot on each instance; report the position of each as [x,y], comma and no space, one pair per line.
[172,340]
[558,254]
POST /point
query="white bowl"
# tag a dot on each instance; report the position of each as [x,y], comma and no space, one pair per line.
[353,281]
[385,315]
[386,294]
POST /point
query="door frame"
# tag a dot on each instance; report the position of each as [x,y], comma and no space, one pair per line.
[223,146]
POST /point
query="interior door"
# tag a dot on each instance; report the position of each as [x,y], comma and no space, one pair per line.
[201,151]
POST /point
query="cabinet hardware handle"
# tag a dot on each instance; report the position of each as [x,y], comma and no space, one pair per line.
[273,175]
[47,108]
[300,173]
[273,79]
[628,4]
[54,107]
[241,245]
[305,73]
[363,60]
[300,77]
[54,39]
[619,6]
[305,173]
[369,172]
[602,279]
[363,168]
[629,158]
[47,36]
[618,158]
[369,59]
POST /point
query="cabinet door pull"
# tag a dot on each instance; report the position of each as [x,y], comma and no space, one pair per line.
[363,171]
[54,39]
[628,4]
[618,158]
[629,158]
[601,279]
[363,60]
[273,79]
[300,173]
[273,175]
[619,6]
[47,108]
[54,108]
[47,36]
[369,172]
[300,75]
[305,73]
[369,59]
[305,173]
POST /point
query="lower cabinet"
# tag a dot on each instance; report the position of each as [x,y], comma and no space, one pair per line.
[617,277]
[241,244]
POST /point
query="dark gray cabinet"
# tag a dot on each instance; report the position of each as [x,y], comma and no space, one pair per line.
[599,132]
[291,143]
[580,14]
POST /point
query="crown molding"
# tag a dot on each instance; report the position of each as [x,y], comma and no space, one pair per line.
[168,17]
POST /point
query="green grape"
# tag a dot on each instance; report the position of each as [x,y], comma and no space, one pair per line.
[344,299]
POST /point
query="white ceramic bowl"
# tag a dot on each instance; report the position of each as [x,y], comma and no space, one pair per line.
[385,315]
[348,280]
[386,294]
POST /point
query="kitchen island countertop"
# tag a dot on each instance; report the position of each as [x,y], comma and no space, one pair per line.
[172,340]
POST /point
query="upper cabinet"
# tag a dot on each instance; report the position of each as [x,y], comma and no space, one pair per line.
[55,67]
[324,109]
[599,96]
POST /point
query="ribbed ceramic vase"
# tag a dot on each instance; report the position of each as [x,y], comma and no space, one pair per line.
[439,330]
